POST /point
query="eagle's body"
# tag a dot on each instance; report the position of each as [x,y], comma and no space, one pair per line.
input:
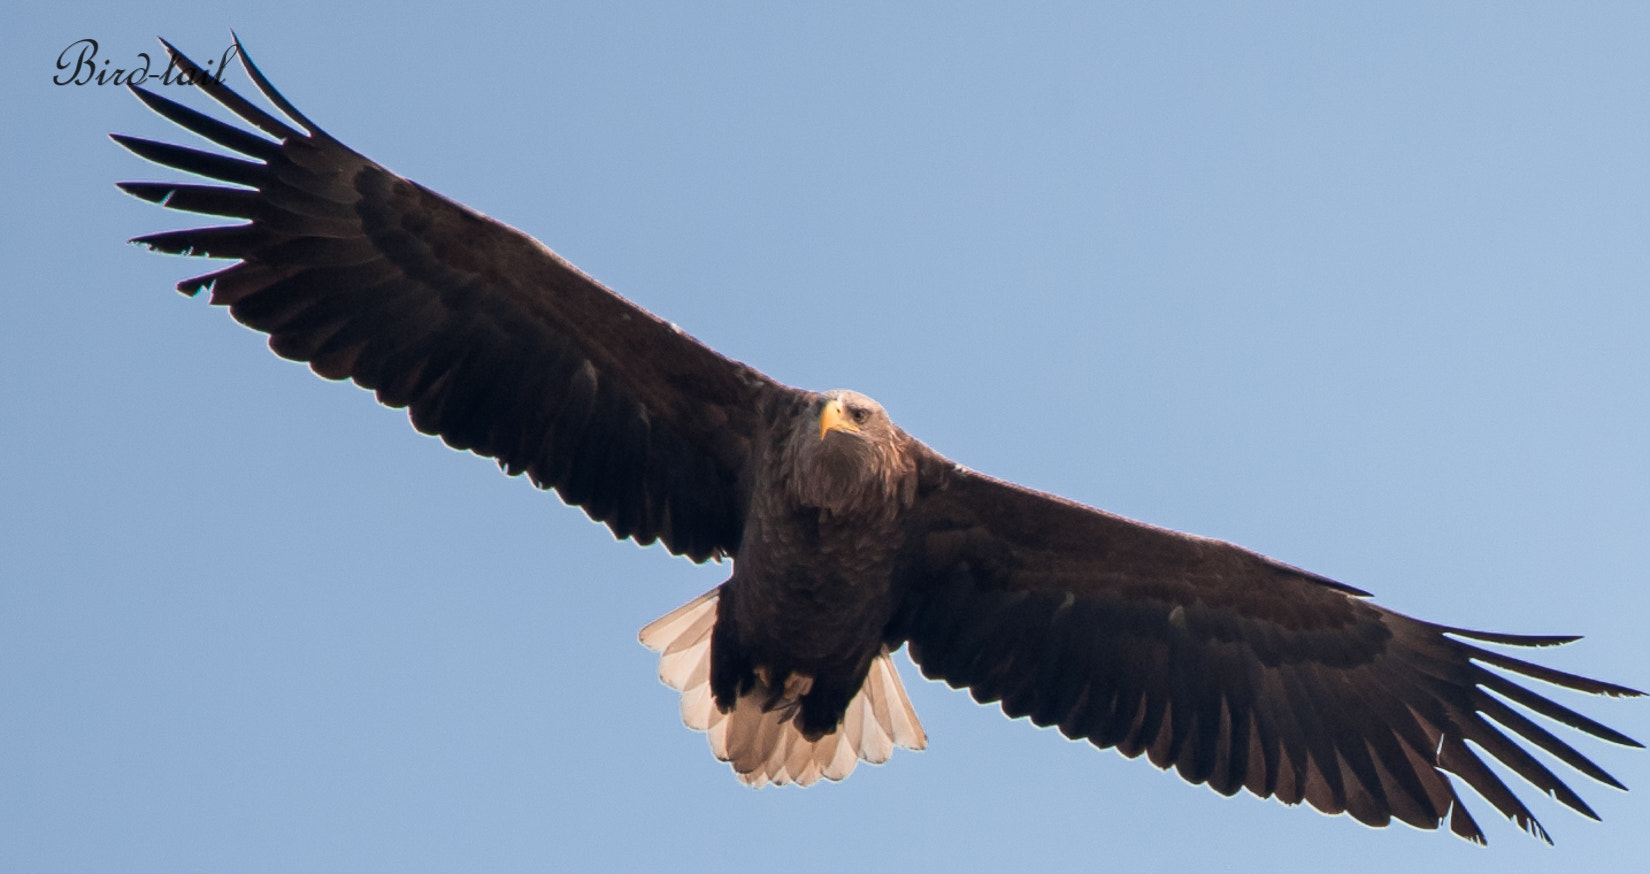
[814,585]
[849,537]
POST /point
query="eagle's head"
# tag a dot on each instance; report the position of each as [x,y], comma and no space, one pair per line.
[848,457]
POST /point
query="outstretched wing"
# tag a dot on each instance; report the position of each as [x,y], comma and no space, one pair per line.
[1239,671]
[488,338]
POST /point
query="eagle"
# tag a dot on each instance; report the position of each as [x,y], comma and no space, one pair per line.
[848,537]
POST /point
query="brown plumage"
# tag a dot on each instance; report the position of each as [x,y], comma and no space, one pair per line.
[849,537]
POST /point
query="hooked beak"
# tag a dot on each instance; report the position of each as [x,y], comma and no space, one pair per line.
[834,418]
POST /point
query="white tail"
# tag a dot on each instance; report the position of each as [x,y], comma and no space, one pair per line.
[765,746]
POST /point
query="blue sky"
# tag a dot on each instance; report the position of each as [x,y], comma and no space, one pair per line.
[1364,289]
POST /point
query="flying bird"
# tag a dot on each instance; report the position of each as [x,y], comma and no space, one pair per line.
[848,537]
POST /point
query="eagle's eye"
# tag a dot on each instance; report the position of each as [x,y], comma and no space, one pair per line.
[859,415]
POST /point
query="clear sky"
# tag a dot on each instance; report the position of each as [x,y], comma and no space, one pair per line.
[1367,290]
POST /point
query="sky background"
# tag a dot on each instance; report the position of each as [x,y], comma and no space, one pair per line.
[1362,288]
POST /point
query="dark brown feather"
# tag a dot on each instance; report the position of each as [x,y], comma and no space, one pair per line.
[490,340]
[1223,664]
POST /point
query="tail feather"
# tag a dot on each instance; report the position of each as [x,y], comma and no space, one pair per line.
[764,745]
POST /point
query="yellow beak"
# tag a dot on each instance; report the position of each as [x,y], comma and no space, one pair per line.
[834,418]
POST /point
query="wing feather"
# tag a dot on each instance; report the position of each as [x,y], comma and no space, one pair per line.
[490,340]
[1233,669]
